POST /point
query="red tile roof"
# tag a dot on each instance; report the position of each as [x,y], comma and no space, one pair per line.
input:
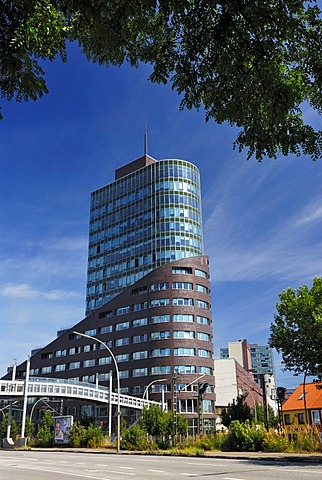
[313,397]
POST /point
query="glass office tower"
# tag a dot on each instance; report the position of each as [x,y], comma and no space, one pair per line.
[150,215]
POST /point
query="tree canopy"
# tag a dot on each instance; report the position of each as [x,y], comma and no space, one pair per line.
[297,331]
[255,65]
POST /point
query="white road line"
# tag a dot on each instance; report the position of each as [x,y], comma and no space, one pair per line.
[121,473]
[127,468]
[208,464]
[232,478]
[297,470]
[63,472]
[155,471]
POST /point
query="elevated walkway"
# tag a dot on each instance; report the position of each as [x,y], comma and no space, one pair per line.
[61,388]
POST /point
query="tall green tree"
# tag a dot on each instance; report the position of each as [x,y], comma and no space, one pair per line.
[297,330]
[237,410]
[254,65]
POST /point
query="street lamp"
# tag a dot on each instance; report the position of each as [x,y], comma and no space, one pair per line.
[47,405]
[151,383]
[118,383]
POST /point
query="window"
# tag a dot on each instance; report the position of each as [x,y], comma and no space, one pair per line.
[74,350]
[74,365]
[182,301]
[160,335]
[60,353]
[139,338]
[140,355]
[160,319]
[204,353]
[46,369]
[106,329]
[184,369]
[139,306]
[139,322]
[104,360]
[204,336]
[287,419]
[315,417]
[109,344]
[160,370]
[122,326]
[182,285]
[119,342]
[159,302]
[88,378]
[89,363]
[139,291]
[90,332]
[124,357]
[184,352]
[185,334]
[206,370]
[182,270]
[122,310]
[156,287]
[107,314]
[202,304]
[200,273]
[301,418]
[47,355]
[203,320]
[139,372]
[60,368]
[201,288]
[160,352]
[89,348]
[182,318]
[124,374]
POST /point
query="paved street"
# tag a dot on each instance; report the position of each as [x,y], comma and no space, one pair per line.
[37,465]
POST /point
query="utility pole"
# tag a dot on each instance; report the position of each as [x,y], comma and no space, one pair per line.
[174,407]
[202,387]
[262,379]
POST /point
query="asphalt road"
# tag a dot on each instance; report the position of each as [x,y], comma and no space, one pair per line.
[37,465]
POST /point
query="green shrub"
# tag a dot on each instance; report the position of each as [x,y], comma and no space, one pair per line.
[77,435]
[239,438]
[94,436]
[135,438]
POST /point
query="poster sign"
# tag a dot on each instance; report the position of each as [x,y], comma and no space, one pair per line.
[62,426]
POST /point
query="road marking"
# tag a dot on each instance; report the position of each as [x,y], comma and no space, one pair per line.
[121,473]
[297,470]
[128,468]
[155,471]
[64,473]
[208,464]
[232,478]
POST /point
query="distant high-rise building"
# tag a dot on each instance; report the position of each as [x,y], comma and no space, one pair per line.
[262,360]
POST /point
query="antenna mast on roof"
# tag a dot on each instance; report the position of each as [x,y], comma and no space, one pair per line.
[146,140]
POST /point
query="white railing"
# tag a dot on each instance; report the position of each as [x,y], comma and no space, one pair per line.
[40,387]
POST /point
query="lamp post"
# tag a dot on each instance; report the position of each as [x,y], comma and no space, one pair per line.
[118,383]
[47,405]
[146,391]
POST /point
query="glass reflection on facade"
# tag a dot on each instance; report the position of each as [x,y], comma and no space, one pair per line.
[144,219]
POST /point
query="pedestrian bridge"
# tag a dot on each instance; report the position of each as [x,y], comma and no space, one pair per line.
[57,387]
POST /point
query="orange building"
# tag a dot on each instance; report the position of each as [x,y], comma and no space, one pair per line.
[294,409]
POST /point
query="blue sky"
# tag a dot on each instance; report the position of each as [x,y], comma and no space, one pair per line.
[262,222]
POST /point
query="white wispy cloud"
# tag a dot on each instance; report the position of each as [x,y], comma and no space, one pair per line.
[310,214]
[28,292]
[253,235]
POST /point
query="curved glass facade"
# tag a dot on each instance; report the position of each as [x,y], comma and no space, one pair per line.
[142,220]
